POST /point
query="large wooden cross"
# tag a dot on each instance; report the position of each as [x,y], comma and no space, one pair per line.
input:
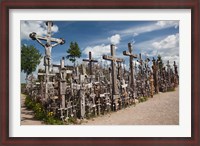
[131,57]
[90,60]
[48,46]
[113,59]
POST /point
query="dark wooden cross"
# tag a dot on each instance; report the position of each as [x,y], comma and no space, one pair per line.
[175,68]
[155,75]
[141,64]
[140,59]
[90,60]
[113,60]
[131,57]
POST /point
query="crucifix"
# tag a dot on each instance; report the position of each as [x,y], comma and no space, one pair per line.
[48,47]
[90,60]
[115,90]
[131,57]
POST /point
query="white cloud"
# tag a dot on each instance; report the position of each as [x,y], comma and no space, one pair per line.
[168,48]
[174,24]
[136,30]
[171,41]
[115,39]
[34,26]
[169,45]
[135,34]
[97,51]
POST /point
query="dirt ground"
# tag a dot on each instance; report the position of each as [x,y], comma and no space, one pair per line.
[162,109]
[27,116]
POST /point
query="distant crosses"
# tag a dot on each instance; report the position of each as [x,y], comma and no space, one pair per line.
[169,72]
[115,90]
[131,57]
[141,64]
[176,77]
[48,46]
[90,60]
[175,68]
[155,75]
[147,69]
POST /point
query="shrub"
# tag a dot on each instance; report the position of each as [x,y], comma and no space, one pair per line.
[40,113]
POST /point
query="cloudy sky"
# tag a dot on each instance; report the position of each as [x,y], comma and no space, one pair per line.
[148,37]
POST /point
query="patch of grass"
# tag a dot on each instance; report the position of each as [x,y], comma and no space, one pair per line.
[29,103]
[170,89]
[72,120]
[41,114]
[143,99]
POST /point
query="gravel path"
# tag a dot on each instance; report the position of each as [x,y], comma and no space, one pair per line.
[162,109]
[27,116]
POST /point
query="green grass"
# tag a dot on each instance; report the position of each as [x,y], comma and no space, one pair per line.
[143,99]
[41,114]
[170,89]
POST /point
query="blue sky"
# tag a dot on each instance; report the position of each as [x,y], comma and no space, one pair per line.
[148,37]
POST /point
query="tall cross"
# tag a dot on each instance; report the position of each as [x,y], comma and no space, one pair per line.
[175,68]
[113,59]
[140,59]
[48,46]
[131,57]
[168,67]
[141,63]
[155,75]
[90,60]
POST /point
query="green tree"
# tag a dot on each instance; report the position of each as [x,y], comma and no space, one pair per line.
[30,58]
[74,52]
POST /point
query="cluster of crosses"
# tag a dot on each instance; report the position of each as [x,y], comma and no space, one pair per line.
[84,91]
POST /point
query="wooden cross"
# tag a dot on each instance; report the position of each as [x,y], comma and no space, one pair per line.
[140,59]
[131,57]
[155,75]
[175,68]
[113,60]
[48,46]
[90,60]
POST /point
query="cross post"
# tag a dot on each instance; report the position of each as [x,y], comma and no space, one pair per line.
[115,90]
[131,57]
[90,60]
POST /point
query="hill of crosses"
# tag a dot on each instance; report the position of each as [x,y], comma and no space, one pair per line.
[79,92]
